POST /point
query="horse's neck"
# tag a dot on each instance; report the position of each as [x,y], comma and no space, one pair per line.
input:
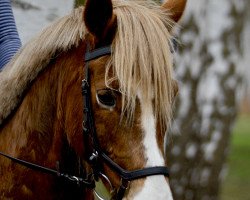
[43,118]
[28,121]
[45,129]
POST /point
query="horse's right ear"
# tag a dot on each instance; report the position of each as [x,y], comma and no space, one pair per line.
[176,8]
[97,16]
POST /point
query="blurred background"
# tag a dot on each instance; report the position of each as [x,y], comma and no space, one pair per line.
[209,148]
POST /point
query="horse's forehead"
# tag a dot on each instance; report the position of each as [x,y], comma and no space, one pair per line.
[99,71]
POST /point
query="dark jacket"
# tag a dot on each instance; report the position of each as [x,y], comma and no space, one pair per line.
[9,38]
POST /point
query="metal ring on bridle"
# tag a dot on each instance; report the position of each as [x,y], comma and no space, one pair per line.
[104,177]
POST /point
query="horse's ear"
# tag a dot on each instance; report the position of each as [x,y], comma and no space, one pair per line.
[97,16]
[176,8]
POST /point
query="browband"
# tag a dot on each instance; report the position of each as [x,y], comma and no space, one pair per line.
[90,55]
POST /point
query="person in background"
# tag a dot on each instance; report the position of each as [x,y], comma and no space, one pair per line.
[9,39]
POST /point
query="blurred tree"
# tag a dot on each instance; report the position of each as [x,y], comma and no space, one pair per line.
[79,3]
[208,67]
[245,105]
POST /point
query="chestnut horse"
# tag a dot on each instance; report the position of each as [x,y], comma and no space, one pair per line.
[89,101]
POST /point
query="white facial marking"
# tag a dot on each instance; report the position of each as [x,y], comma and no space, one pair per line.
[155,187]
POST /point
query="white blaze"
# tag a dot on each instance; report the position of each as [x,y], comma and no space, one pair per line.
[155,187]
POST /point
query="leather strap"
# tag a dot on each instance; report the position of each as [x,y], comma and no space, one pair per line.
[136,174]
[88,182]
[90,55]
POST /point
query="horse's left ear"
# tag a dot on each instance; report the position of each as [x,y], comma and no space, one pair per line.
[97,16]
[176,8]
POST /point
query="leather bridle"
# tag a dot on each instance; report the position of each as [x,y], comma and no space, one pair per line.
[96,157]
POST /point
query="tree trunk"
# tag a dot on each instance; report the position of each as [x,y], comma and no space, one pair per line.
[245,104]
[208,70]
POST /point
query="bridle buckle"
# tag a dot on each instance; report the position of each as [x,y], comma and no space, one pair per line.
[94,157]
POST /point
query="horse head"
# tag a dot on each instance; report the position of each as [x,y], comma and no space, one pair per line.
[93,93]
[131,93]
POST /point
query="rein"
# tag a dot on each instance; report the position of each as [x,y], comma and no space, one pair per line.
[89,182]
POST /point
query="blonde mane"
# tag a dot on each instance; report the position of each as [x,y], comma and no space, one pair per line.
[141,57]
[142,60]
[35,56]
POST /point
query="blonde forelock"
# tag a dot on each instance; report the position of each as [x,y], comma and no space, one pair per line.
[141,58]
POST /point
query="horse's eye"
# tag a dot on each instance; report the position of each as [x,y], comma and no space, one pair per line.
[106,98]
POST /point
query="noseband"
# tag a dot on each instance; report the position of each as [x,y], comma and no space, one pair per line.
[97,156]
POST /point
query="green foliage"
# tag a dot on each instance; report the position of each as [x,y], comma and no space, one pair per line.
[237,183]
[101,190]
[79,3]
